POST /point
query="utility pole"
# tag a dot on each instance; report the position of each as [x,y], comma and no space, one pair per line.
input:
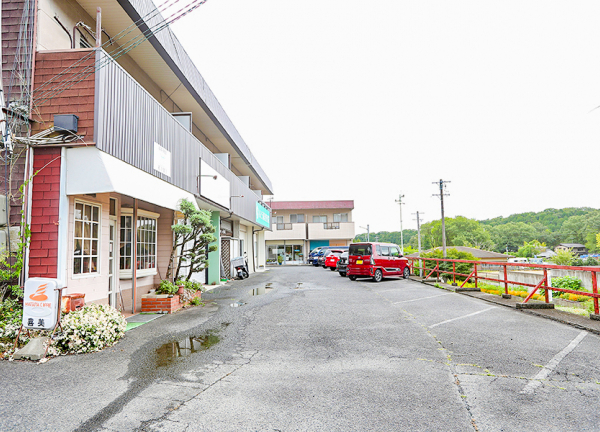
[419,242]
[442,185]
[367,228]
[399,201]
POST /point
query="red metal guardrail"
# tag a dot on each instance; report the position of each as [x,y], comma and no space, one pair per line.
[543,283]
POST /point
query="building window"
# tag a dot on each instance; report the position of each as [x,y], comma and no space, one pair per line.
[146,231]
[319,219]
[297,218]
[86,238]
[340,217]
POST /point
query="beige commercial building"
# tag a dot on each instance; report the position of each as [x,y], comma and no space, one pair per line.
[300,226]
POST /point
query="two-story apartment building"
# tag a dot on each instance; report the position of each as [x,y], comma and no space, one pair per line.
[126,128]
[300,226]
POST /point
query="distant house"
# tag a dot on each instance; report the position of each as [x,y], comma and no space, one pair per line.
[480,254]
[548,253]
[576,248]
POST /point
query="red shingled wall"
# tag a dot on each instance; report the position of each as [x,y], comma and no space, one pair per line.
[43,250]
[77,99]
[12,11]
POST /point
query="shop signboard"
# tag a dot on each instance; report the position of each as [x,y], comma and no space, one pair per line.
[40,303]
[263,217]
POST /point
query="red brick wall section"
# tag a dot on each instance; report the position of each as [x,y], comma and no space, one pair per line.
[78,94]
[43,249]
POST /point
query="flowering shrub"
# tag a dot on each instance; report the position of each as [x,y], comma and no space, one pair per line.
[91,328]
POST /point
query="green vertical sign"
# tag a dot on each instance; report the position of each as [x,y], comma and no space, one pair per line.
[263,217]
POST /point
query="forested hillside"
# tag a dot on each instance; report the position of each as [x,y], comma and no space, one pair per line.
[550,218]
[550,227]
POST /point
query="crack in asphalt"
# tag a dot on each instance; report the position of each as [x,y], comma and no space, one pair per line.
[449,364]
[152,422]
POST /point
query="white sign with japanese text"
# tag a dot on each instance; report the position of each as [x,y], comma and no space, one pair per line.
[40,303]
[162,160]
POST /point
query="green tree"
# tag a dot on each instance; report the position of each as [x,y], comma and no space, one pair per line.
[512,235]
[192,235]
[531,249]
[563,257]
[452,253]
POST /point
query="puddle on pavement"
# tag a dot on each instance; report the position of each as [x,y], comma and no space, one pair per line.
[260,290]
[185,347]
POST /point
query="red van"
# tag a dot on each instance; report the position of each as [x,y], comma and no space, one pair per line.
[376,261]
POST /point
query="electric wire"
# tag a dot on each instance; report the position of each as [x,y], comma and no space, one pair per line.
[113,55]
[115,38]
[131,44]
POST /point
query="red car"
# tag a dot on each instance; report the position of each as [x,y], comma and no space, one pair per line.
[376,261]
[332,258]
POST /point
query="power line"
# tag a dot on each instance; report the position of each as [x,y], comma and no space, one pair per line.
[113,55]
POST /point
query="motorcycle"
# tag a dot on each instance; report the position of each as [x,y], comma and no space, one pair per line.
[240,264]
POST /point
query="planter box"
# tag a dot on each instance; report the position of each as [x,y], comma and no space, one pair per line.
[160,303]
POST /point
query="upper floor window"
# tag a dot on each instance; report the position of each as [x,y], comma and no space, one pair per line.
[86,238]
[319,219]
[340,217]
[297,218]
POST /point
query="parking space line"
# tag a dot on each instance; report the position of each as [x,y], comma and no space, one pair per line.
[549,368]
[422,298]
[461,317]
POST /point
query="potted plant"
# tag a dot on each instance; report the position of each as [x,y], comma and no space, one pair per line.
[279,259]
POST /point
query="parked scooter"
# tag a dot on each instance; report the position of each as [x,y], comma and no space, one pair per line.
[240,264]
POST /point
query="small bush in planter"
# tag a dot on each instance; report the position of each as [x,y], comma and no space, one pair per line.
[190,285]
[166,287]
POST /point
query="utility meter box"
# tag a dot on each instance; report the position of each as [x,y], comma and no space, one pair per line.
[40,303]
[65,122]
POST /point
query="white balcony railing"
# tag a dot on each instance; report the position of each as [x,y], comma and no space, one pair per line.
[287,231]
[331,230]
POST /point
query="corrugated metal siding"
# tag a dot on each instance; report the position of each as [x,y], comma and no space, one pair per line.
[129,121]
[171,45]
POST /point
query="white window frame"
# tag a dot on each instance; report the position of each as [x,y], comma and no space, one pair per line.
[339,217]
[296,215]
[128,273]
[322,219]
[99,239]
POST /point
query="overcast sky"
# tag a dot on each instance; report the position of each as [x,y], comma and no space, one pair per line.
[364,100]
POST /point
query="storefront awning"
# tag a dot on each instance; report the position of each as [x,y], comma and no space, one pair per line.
[90,170]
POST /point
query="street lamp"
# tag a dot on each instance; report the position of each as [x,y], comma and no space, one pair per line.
[399,201]
[368,232]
